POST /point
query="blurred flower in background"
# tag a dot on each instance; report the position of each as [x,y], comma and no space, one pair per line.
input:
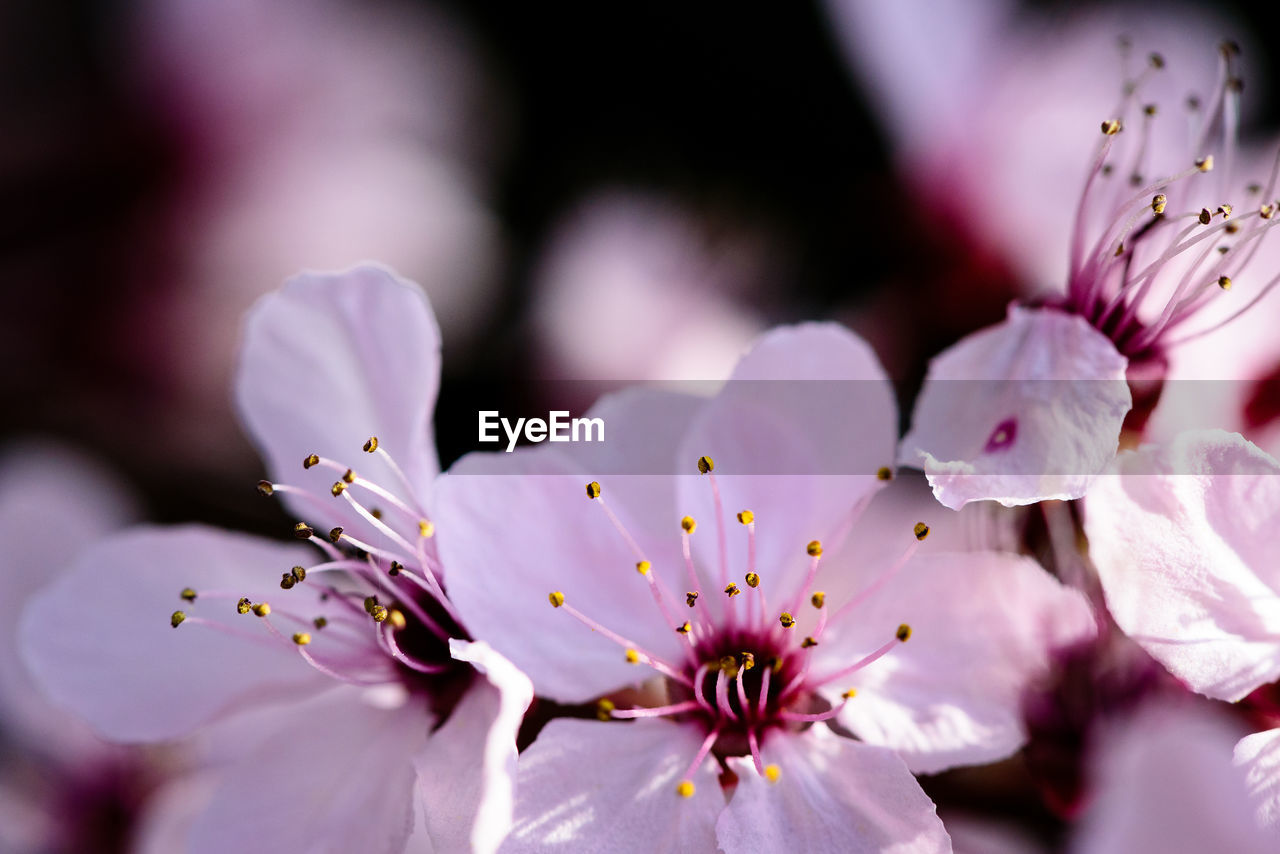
[633,286]
[62,789]
[266,137]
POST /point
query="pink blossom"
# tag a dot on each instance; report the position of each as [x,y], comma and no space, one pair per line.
[1165,218]
[729,654]
[346,703]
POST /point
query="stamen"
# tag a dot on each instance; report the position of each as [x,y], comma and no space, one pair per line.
[900,636]
[657,711]
[657,663]
[686,788]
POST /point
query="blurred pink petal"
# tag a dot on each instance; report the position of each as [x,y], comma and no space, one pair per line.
[632,287]
[1166,782]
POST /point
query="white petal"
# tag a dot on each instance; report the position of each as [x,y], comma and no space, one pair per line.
[1183,539]
[1024,411]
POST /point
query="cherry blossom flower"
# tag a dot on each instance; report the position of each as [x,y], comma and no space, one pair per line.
[1172,216]
[348,705]
[783,635]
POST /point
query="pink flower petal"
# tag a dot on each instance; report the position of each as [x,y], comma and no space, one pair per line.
[1259,754]
[833,795]
[512,528]
[330,360]
[1183,539]
[797,434]
[1024,411]
[983,627]
[53,503]
[99,642]
[589,788]
[1166,783]
[467,771]
[336,775]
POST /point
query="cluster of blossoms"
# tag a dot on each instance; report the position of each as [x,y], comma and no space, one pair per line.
[745,630]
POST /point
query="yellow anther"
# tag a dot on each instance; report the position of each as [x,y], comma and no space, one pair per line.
[808,642]
[1205,164]
[176,618]
[1205,216]
[688,524]
[729,664]
[904,633]
[775,664]
[301,638]
[369,603]
[818,598]
[691,598]
[748,660]
[732,590]
[786,619]
[706,464]
[1159,202]
[884,473]
[338,488]
[1224,282]
[371,445]
[266,487]
[426,529]
[396,618]
[311,460]
[303,531]
[921,530]
[243,606]
[1230,228]
[593,489]
[850,694]
[604,709]
[684,627]
[1225,209]
[375,513]
[1119,252]
[1149,110]
[643,567]
[556,598]
[772,773]
[379,613]
[320,622]
[1156,60]
[299,573]
[753,580]
[188,594]
[262,609]
[349,476]
[335,534]
[287,582]
[1267,211]
[1111,127]
[746,517]
[633,657]
[814,548]
[685,789]
[395,568]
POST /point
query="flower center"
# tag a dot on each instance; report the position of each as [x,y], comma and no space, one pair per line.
[745,670]
[373,611]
